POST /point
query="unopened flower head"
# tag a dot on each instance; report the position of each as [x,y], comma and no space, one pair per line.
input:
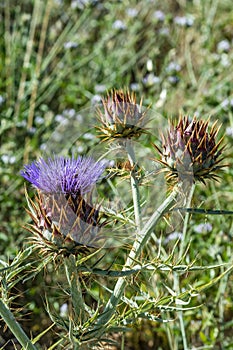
[191,151]
[121,116]
[64,222]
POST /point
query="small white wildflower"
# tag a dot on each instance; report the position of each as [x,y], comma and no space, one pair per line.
[118,24]
[173,79]
[203,228]
[229,131]
[112,163]
[134,87]
[39,120]
[12,159]
[159,15]
[162,98]
[184,21]
[80,149]
[69,112]
[7,159]
[59,118]
[79,118]
[74,4]
[180,21]
[223,45]
[43,147]
[150,79]
[21,124]
[132,12]
[88,136]
[96,99]
[149,65]
[225,61]
[225,103]
[64,310]
[70,45]
[32,130]
[62,119]
[79,4]
[173,236]
[173,66]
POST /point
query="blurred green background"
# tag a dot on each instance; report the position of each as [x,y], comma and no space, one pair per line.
[57,57]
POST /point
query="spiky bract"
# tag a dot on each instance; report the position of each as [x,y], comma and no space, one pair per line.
[63,226]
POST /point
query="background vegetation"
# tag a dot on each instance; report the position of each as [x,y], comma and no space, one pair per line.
[57,57]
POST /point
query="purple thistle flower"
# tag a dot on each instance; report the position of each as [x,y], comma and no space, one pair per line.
[64,175]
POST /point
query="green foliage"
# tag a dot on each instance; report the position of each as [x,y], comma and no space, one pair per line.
[57,57]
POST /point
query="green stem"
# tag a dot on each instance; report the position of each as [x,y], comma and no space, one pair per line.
[75,289]
[180,313]
[138,245]
[134,185]
[176,276]
[186,220]
[15,328]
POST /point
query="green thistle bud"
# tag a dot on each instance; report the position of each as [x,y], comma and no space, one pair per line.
[190,151]
[121,116]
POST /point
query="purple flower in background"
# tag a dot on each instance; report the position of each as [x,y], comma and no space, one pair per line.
[63,174]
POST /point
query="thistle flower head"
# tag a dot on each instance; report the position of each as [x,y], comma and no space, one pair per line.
[121,117]
[66,175]
[63,221]
[190,150]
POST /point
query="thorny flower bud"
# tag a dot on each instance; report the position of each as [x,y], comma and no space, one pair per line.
[121,116]
[191,151]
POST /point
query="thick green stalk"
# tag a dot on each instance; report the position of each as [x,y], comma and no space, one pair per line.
[186,220]
[15,328]
[75,289]
[138,245]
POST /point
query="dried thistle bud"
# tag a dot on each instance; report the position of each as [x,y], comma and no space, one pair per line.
[190,151]
[121,116]
[63,221]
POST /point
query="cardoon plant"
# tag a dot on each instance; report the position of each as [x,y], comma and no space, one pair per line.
[68,225]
